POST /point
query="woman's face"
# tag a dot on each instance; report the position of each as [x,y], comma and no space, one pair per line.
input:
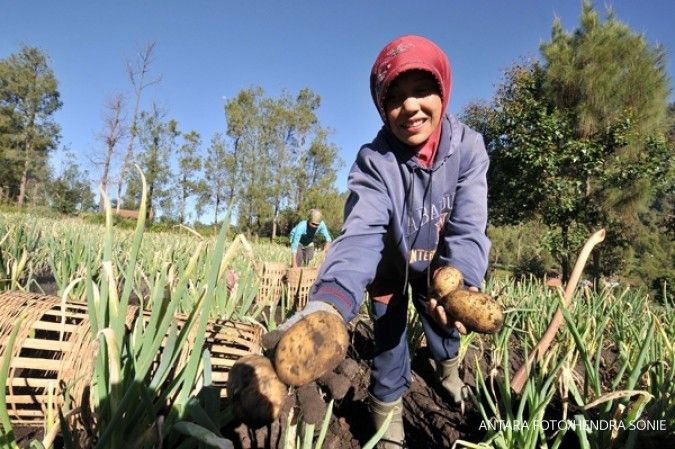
[413,106]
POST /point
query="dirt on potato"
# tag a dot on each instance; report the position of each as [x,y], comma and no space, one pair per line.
[479,312]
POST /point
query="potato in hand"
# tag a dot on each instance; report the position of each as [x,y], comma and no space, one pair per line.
[446,280]
[310,348]
[478,312]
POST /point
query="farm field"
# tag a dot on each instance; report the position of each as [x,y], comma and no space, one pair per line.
[608,380]
[161,170]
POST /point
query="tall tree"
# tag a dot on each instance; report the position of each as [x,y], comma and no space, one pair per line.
[245,126]
[137,71]
[241,115]
[575,141]
[157,139]
[535,160]
[611,80]
[665,200]
[316,170]
[219,175]
[278,135]
[603,70]
[113,131]
[290,123]
[275,139]
[189,165]
[29,97]
[70,191]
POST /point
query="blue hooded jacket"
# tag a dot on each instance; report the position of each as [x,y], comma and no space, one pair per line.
[403,220]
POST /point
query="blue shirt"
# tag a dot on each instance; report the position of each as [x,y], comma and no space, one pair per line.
[303,234]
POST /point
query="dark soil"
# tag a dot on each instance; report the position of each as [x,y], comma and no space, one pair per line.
[430,421]
[46,285]
[25,434]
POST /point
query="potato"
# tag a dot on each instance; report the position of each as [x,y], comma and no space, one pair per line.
[479,312]
[447,279]
[256,393]
[310,348]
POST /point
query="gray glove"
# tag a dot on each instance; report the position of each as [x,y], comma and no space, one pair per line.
[271,339]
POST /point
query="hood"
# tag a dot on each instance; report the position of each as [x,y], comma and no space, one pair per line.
[409,53]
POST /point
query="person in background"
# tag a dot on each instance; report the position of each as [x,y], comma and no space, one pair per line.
[302,238]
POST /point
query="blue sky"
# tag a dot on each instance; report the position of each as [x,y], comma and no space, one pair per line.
[207,51]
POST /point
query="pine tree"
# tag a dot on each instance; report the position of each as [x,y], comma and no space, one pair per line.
[29,97]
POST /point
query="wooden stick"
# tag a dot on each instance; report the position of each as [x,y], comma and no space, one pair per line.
[520,377]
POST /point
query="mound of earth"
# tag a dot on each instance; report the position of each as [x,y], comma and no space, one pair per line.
[430,420]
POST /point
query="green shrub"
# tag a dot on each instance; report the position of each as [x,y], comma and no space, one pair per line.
[530,265]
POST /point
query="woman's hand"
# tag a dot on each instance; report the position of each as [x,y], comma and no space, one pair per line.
[437,312]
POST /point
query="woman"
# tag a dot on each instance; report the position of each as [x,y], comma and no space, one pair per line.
[418,201]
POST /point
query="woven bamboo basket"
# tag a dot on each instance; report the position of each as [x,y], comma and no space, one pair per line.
[272,282]
[300,281]
[227,342]
[54,352]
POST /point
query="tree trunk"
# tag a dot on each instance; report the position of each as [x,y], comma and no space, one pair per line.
[596,269]
[148,212]
[181,214]
[28,148]
[104,183]
[565,266]
[139,85]
[22,185]
[275,222]
[566,256]
[228,217]
[183,203]
[215,212]
[274,227]
[112,138]
[127,158]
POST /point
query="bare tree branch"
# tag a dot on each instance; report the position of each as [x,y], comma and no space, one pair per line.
[137,75]
[113,131]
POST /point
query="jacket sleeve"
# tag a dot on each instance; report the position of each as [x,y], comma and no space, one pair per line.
[352,260]
[296,233]
[466,245]
[324,232]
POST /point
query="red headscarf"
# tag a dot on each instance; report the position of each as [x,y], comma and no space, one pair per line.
[411,53]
